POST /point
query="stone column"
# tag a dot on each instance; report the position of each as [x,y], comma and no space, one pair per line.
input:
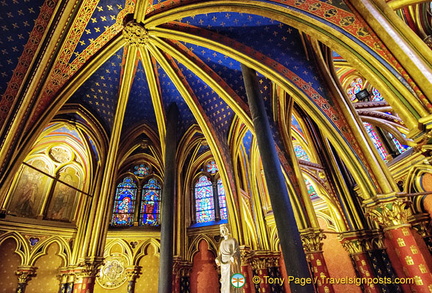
[295,259]
[392,215]
[24,274]
[312,243]
[167,205]
[352,242]
[274,272]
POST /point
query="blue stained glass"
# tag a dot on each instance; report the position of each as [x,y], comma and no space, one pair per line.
[295,124]
[355,86]
[301,153]
[222,200]
[142,170]
[150,204]
[211,167]
[376,95]
[376,141]
[401,148]
[204,204]
[124,203]
[203,188]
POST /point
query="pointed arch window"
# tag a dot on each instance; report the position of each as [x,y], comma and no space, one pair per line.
[137,199]
[209,195]
[301,153]
[124,203]
[150,203]
[204,200]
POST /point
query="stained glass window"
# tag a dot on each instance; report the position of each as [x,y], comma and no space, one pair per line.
[124,203]
[301,153]
[211,167]
[204,202]
[376,95]
[310,189]
[150,203]
[376,141]
[295,124]
[142,170]
[355,86]
[222,200]
[401,148]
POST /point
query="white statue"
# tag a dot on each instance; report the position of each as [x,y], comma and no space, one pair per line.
[228,259]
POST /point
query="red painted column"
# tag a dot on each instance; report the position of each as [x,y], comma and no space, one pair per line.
[392,215]
[353,244]
[246,269]
[84,284]
[312,244]
[413,262]
[259,265]
[85,276]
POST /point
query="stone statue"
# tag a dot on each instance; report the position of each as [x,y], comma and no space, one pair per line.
[228,259]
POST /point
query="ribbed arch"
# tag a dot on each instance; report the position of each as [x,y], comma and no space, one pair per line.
[352,48]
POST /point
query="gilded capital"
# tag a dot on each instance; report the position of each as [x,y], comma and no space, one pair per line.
[390,214]
[312,240]
[135,33]
[88,269]
[353,246]
[25,273]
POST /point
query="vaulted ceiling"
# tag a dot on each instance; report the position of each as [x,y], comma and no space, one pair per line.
[159,52]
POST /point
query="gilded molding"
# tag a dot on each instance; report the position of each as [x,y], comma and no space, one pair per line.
[390,215]
[262,260]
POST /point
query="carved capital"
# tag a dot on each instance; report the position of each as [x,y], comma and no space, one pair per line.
[245,255]
[25,273]
[88,269]
[264,259]
[135,33]
[353,246]
[391,214]
[181,267]
[132,273]
[374,242]
[312,240]
[259,263]
[422,224]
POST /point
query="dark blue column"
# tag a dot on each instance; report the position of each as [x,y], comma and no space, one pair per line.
[167,206]
[292,248]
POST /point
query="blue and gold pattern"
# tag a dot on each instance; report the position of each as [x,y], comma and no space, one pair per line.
[100,91]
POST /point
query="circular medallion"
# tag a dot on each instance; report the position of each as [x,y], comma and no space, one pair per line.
[113,273]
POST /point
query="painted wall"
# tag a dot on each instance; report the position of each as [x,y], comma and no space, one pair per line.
[8,265]
[46,279]
[204,277]
[338,260]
